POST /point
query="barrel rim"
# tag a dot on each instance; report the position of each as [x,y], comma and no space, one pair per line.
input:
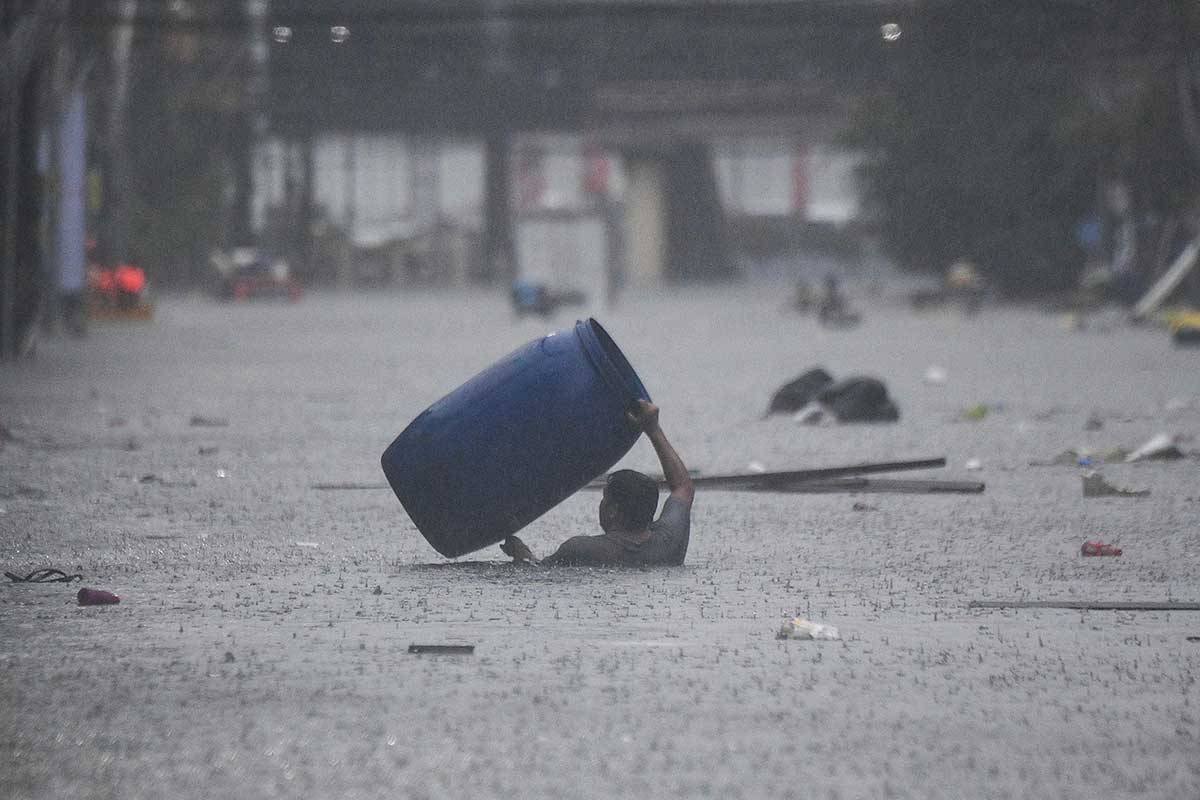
[614,368]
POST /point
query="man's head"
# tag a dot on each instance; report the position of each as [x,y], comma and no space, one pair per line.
[629,502]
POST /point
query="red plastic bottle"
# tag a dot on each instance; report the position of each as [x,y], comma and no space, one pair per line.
[97,597]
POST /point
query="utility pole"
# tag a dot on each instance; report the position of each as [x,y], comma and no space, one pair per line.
[499,249]
[114,246]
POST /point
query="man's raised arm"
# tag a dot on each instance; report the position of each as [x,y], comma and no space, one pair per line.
[678,480]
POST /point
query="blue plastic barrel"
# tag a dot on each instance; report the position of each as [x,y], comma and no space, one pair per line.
[515,440]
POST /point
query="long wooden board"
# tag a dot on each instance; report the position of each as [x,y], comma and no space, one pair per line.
[1088,605]
[877,485]
[764,481]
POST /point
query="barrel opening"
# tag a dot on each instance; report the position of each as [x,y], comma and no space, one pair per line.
[624,369]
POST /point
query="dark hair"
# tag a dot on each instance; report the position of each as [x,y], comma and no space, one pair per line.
[634,498]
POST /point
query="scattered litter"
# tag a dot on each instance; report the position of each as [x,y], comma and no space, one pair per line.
[96,597]
[1099,549]
[863,507]
[209,422]
[47,575]
[935,375]
[378,590]
[229,659]
[222,473]
[444,649]
[976,412]
[1093,422]
[973,465]
[756,466]
[1094,485]
[1163,447]
[305,544]
[801,628]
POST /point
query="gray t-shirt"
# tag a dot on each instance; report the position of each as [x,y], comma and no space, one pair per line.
[665,543]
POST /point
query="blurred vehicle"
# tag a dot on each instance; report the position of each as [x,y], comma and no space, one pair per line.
[245,273]
[119,292]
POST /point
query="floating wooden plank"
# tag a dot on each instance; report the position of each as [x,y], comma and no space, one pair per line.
[874,485]
[1088,605]
[326,487]
[824,479]
[443,649]
[761,481]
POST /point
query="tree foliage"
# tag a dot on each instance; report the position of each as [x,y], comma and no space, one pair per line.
[999,125]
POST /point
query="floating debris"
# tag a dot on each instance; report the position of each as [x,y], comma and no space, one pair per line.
[1163,447]
[1099,549]
[96,597]
[443,649]
[46,575]
[975,413]
[1094,485]
[1088,605]
[801,628]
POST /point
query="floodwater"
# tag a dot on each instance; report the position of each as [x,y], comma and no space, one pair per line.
[261,645]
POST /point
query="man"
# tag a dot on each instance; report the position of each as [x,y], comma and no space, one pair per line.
[632,537]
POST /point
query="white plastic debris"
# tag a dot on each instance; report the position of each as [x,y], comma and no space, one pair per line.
[801,628]
[935,375]
[1163,446]
[973,465]
[813,414]
[756,466]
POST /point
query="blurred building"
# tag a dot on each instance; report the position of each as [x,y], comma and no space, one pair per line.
[585,143]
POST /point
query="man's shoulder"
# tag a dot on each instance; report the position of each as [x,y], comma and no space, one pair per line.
[584,550]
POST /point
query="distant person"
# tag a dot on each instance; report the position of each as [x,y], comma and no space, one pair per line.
[834,311]
[632,537]
[539,299]
[803,297]
[965,285]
